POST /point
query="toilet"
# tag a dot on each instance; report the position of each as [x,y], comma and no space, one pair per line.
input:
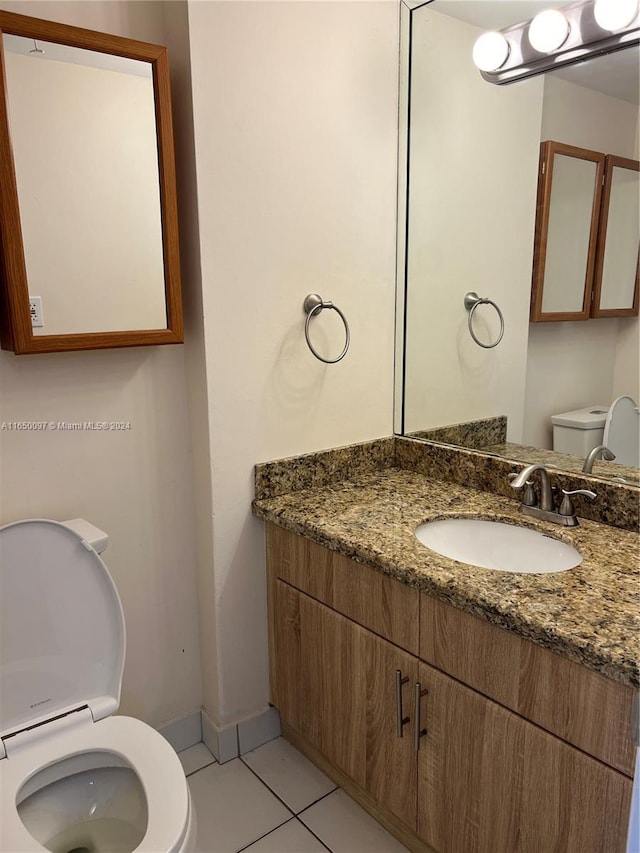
[617,427]
[622,431]
[74,778]
[579,431]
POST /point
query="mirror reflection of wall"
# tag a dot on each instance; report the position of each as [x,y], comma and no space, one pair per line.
[473,164]
[83,131]
[473,176]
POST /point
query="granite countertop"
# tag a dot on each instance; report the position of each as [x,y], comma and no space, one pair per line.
[589,614]
[565,461]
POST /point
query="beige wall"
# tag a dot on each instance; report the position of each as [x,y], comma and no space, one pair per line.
[571,365]
[177,36]
[136,484]
[295,135]
[295,128]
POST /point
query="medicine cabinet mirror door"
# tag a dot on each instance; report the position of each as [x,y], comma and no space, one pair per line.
[569,192]
[88,214]
[616,287]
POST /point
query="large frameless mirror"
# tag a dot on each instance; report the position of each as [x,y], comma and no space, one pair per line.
[88,206]
[469,164]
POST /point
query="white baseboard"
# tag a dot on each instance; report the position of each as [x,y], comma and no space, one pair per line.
[228,742]
[258,729]
[184,732]
[222,742]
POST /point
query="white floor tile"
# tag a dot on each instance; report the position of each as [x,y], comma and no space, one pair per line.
[233,808]
[293,837]
[289,774]
[345,827]
[195,758]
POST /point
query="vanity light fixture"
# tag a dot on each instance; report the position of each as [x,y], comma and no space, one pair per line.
[578,31]
[548,31]
[613,15]
[490,51]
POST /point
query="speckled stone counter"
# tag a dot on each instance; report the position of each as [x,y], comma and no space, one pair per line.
[590,614]
[564,461]
[474,434]
[617,504]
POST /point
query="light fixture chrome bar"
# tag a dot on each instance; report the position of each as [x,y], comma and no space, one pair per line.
[585,40]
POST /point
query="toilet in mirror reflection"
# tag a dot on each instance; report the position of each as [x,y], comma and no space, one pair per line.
[622,431]
[617,428]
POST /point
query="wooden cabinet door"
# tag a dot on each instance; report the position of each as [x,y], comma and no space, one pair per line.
[491,782]
[336,686]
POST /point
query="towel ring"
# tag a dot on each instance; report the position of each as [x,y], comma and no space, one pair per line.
[471,302]
[312,305]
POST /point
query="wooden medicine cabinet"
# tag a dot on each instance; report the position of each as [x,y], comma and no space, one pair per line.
[616,288]
[587,235]
[89,254]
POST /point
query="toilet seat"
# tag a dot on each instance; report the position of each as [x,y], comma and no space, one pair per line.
[64,647]
[61,664]
[622,431]
[142,748]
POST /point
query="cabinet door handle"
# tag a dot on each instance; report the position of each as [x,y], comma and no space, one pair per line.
[400,720]
[417,731]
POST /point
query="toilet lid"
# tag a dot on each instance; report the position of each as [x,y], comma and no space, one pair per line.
[62,634]
[622,431]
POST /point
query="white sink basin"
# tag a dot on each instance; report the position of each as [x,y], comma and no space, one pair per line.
[499,546]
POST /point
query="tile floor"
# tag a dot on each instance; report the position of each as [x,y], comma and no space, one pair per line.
[273,800]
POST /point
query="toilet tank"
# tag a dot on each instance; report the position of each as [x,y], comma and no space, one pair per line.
[579,431]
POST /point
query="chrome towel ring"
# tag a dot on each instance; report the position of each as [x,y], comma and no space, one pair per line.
[471,302]
[313,305]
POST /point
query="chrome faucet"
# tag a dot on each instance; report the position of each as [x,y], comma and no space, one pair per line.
[547,511]
[599,452]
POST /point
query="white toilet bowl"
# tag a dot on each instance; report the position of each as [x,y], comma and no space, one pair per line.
[75,778]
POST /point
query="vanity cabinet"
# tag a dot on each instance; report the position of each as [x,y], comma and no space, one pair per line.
[483,777]
[336,688]
[488,780]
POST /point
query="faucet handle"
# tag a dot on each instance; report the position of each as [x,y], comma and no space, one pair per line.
[566,507]
[586,492]
[529,496]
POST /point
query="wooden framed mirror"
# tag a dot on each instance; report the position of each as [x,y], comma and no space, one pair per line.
[617,272]
[567,216]
[89,255]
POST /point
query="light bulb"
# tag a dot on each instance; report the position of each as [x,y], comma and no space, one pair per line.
[548,31]
[490,51]
[615,14]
